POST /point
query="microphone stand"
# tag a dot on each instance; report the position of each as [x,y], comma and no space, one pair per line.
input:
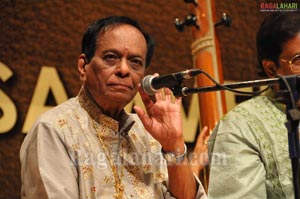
[289,87]
[293,118]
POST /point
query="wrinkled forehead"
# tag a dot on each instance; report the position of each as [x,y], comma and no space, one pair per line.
[111,27]
[124,35]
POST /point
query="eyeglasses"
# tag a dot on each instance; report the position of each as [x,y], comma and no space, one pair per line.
[294,63]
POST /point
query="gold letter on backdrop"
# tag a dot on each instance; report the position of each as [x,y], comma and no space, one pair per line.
[48,79]
[9,111]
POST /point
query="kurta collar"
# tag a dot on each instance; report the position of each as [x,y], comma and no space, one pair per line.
[123,125]
[271,94]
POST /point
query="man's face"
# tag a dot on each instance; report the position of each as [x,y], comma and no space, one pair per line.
[289,50]
[118,66]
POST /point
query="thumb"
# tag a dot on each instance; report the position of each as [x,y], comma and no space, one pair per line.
[142,115]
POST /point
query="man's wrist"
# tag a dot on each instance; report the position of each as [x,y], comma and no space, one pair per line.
[174,157]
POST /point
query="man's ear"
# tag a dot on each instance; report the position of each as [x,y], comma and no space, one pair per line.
[269,67]
[81,64]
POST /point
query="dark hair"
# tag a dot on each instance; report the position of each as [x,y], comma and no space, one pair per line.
[90,36]
[275,30]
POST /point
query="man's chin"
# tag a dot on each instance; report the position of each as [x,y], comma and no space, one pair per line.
[121,97]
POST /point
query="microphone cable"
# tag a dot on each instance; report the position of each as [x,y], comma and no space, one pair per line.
[234,90]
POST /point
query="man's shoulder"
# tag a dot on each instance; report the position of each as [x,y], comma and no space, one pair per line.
[63,109]
[251,111]
[258,103]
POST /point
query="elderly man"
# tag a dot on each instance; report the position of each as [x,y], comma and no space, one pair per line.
[88,147]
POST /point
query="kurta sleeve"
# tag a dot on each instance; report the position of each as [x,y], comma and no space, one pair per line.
[47,170]
[200,192]
[236,169]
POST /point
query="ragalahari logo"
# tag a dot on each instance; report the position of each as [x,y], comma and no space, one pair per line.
[279,7]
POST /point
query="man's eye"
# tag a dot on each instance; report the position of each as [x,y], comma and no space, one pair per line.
[136,63]
[296,60]
[110,57]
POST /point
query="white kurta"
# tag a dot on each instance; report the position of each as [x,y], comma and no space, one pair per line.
[62,157]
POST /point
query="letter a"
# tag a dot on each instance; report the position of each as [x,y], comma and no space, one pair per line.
[48,79]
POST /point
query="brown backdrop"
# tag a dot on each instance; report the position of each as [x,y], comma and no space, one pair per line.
[36,33]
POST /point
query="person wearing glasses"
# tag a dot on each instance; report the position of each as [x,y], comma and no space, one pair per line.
[248,149]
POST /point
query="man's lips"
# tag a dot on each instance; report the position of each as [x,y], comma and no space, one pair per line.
[122,86]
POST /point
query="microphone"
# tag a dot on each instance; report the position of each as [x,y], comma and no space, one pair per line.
[151,84]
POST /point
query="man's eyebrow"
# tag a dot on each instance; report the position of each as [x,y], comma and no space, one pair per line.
[135,55]
[111,51]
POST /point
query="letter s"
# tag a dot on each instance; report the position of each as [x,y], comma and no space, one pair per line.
[8,118]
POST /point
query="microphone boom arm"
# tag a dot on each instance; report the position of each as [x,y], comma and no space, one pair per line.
[185,91]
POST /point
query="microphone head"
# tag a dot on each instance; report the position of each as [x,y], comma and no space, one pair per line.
[146,85]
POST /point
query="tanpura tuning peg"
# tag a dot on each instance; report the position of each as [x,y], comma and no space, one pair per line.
[225,20]
[190,20]
[192,1]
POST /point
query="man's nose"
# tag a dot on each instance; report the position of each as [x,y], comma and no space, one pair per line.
[123,68]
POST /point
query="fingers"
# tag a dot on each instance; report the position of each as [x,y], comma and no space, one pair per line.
[168,95]
[206,135]
[178,100]
[159,95]
[142,115]
[146,98]
[201,143]
[139,111]
[203,134]
[200,155]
